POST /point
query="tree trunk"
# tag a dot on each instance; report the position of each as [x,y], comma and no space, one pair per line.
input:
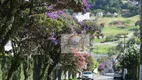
[26,66]
[132,73]
[9,77]
[43,71]
[50,69]
[37,67]
[14,66]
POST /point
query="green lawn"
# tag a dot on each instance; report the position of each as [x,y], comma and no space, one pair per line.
[114,30]
[108,20]
[101,49]
[99,40]
[107,31]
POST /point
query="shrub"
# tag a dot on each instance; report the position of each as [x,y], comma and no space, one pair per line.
[110,38]
[131,60]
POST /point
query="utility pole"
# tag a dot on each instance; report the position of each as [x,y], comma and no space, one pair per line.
[124,41]
[124,36]
[140,40]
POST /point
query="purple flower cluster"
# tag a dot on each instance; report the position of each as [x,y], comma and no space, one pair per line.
[101,66]
[74,26]
[53,39]
[78,31]
[60,12]
[55,14]
[86,5]
[51,15]
[84,28]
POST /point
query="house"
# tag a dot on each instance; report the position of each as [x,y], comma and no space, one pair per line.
[112,14]
[99,14]
[80,17]
[115,14]
[125,11]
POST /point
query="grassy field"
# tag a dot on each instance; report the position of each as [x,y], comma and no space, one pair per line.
[101,49]
[111,31]
[114,30]
[107,31]
[108,20]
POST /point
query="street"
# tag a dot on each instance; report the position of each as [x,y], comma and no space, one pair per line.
[108,76]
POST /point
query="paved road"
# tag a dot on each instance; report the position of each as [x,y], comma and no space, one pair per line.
[115,43]
[108,76]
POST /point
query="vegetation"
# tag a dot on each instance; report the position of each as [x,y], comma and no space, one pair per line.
[128,57]
[101,49]
[108,20]
[106,5]
[131,61]
[113,6]
[34,29]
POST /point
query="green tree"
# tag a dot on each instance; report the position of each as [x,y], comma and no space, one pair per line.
[131,61]
[14,14]
[24,23]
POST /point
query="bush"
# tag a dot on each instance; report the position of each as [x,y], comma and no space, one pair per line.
[127,21]
[131,60]
[110,38]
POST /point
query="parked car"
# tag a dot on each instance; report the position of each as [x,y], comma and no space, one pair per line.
[87,75]
[118,76]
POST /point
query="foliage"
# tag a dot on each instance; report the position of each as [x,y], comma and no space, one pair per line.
[101,67]
[133,41]
[110,38]
[14,15]
[103,59]
[112,51]
[113,6]
[91,63]
[131,58]
[35,27]
[131,61]
[133,10]
[74,61]
[105,5]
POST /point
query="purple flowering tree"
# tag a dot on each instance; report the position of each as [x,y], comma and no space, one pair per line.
[86,5]
[19,11]
[34,26]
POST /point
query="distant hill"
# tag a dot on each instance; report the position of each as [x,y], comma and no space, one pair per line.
[114,6]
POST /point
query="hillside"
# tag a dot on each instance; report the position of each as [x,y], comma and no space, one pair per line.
[110,40]
[114,6]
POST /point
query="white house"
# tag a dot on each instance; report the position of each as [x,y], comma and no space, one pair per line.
[99,14]
[112,14]
[80,17]
[115,14]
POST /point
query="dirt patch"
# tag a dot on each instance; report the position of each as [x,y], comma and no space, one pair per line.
[117,23]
